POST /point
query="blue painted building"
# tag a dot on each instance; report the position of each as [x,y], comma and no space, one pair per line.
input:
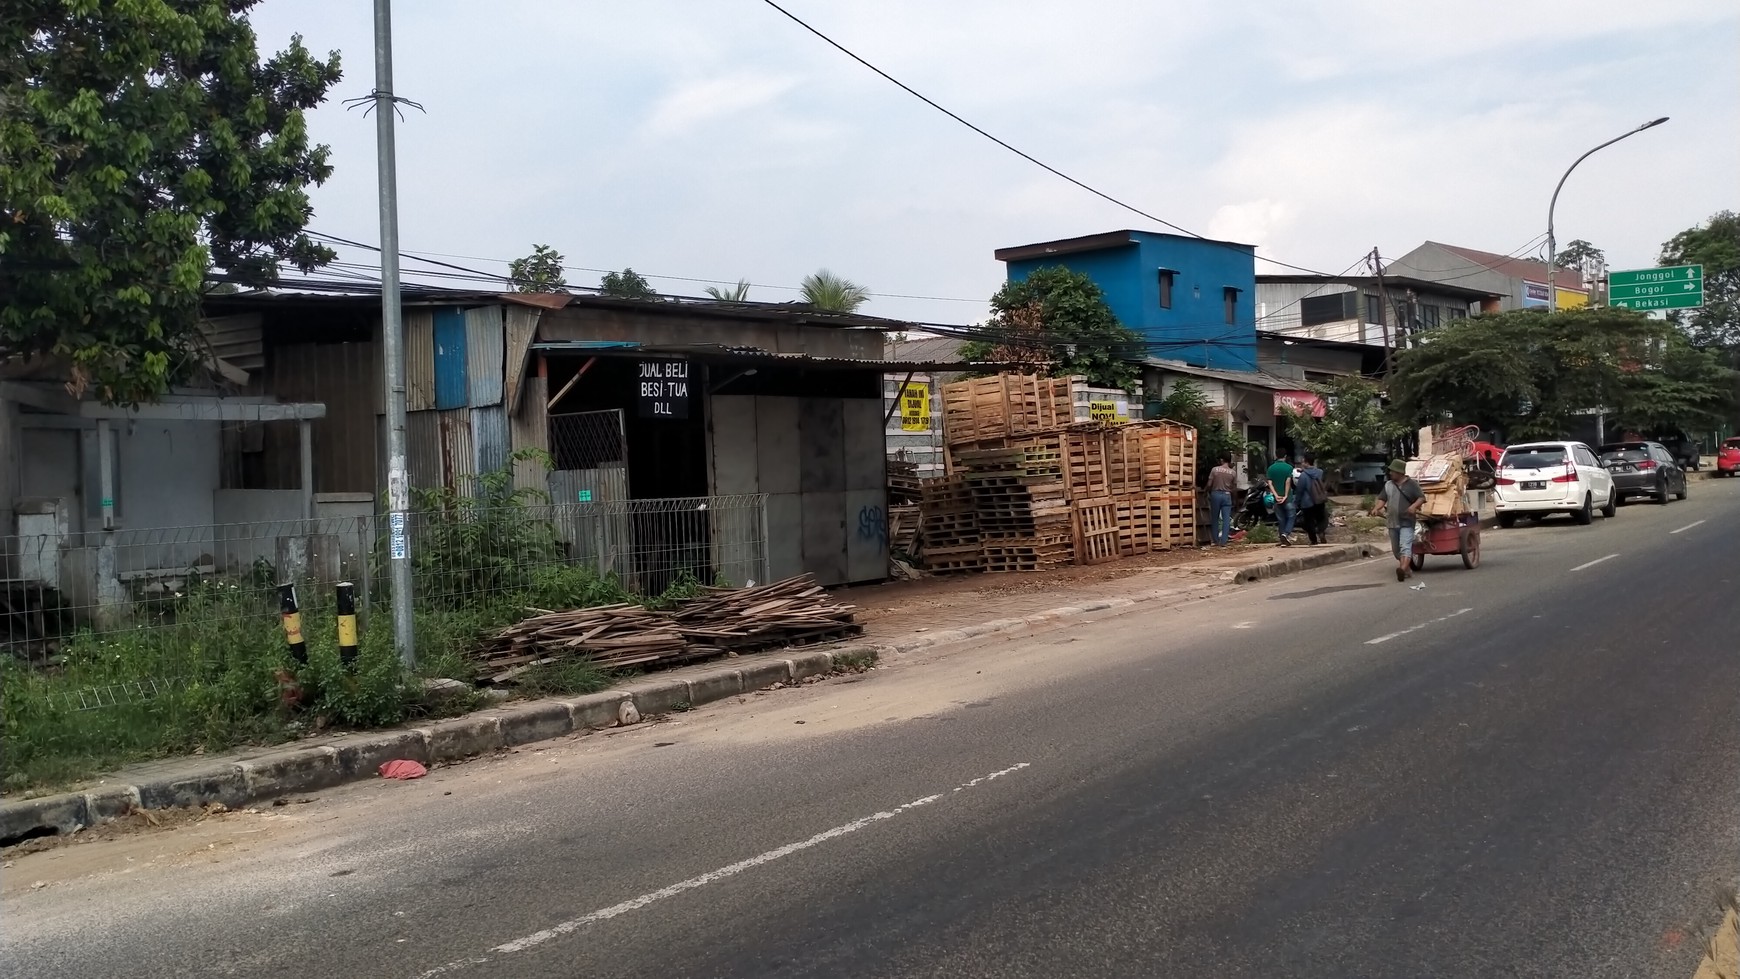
[1192,299]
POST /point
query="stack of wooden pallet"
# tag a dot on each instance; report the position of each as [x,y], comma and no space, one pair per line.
[902,482]
[1006,405]
[949,525]
[1022,506]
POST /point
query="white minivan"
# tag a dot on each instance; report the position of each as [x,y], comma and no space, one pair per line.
[1538,478]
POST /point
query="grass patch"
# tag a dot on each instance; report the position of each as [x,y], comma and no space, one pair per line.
[855,661]
[1263,533]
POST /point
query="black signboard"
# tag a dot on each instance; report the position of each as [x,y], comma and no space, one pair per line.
[664,389]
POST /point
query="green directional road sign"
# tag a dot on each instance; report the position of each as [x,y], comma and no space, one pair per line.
[1674,287]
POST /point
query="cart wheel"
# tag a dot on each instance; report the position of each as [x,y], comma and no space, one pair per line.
[1416,561]
[1469,544]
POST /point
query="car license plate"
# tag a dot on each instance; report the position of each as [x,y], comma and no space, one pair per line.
[1538,484]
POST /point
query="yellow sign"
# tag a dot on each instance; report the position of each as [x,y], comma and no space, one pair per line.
[1103,411]
[915,408]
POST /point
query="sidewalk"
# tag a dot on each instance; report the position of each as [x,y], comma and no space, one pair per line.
[898,617]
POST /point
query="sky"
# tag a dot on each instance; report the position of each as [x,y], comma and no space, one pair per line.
[718,140]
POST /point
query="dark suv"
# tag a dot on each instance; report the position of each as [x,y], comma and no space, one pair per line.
[1685,452]
[1643,469]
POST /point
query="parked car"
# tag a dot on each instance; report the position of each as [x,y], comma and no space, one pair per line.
[1366,472]
[1644,469]
[1728,458]
[1539,478]
[1686,453]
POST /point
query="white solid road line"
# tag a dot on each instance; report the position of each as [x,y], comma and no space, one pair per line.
[636,903]
[1593,563]
[1417,628]
[1687,527]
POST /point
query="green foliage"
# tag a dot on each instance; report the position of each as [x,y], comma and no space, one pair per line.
[1354,421]
[1526,373]
[731,294]
[1715,245]
[485,542]
[1188,404]
[541,271]
[830,293]
[1581,257]
[1062,317]
[141,145]
[627,284]
[1263,533]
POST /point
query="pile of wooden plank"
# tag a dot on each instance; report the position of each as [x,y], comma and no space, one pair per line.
[791,612]
[949,526]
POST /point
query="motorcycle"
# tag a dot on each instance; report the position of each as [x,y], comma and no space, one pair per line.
[1253,510]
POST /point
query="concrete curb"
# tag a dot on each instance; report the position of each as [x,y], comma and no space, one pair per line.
[308,768]
[1306,561]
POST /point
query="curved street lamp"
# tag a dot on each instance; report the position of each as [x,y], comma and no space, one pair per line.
[1552,282]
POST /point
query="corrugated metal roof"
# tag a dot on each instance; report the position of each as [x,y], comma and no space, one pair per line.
[419,359]
[458,458]
[483,356]
[489,439]
[423,448]
[451,387]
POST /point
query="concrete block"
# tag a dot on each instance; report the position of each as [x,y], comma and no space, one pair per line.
[48,815]
[221,783]
[658,696]
[364,756]
[803,665]
[759,673]
[463,737]
[536,722]
[715,685]
[298,770]
[112,802]
[596,711]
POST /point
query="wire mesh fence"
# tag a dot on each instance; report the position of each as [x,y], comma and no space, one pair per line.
[128,614]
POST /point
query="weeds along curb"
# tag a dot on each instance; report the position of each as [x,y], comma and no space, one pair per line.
[356,757]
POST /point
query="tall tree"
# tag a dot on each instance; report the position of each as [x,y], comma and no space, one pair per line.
[731,294]
[1715,245]
[142,145]
[1063,315]
[1583,258]
[541,271]
[1527,375]
[627,284]
[830,293]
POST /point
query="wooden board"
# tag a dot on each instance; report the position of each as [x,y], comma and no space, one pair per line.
[1085,456]
[1096,530]
[1172,518]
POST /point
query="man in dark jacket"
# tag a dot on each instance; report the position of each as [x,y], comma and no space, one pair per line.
[1313,496]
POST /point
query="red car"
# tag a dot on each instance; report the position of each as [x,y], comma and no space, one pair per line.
[1728,458]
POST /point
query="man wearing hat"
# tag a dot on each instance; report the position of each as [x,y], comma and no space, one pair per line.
[1400,501]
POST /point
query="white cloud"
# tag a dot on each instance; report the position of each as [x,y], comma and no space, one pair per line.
[713,100]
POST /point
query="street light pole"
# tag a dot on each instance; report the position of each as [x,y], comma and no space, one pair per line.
[1552,243]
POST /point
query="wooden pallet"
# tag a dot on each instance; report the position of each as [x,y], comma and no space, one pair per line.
[1172,518]
[1085,450]
[1096,530]
[945,494]
[1168,456]
[1028,554]
[1125,462]
[1135,531]
[957,559]
[1002,406]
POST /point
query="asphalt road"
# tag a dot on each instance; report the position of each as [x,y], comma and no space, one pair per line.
[1524,770]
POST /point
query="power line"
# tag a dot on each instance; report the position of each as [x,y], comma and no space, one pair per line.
[1030,158]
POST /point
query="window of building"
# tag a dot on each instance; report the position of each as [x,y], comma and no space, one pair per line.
[1230,297]
[1166,277]
[1455,313]
[1374,308]
[1429,316]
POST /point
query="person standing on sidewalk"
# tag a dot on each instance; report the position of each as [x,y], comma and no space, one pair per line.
[1222,480]
[1400,503]
[1281,484]
[1312,494]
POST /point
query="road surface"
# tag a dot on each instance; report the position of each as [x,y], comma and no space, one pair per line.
[1525,770]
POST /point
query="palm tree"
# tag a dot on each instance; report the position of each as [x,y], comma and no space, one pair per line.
[830,293]
[735,294]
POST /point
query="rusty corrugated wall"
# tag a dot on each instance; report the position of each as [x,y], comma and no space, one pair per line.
[458,458]
[346,377]
[423,448]
[419,359]
[483,356]
[489,439]
[520,327]
[529,428]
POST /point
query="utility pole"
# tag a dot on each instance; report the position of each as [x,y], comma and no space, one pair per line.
[392,342]
[1552,241]
[1377,270]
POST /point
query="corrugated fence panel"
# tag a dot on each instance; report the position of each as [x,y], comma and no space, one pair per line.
[419,359]
[483,356]
[458,458]
[489,438]
[529,428]
[423,448]
[521,329]
[451,386]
